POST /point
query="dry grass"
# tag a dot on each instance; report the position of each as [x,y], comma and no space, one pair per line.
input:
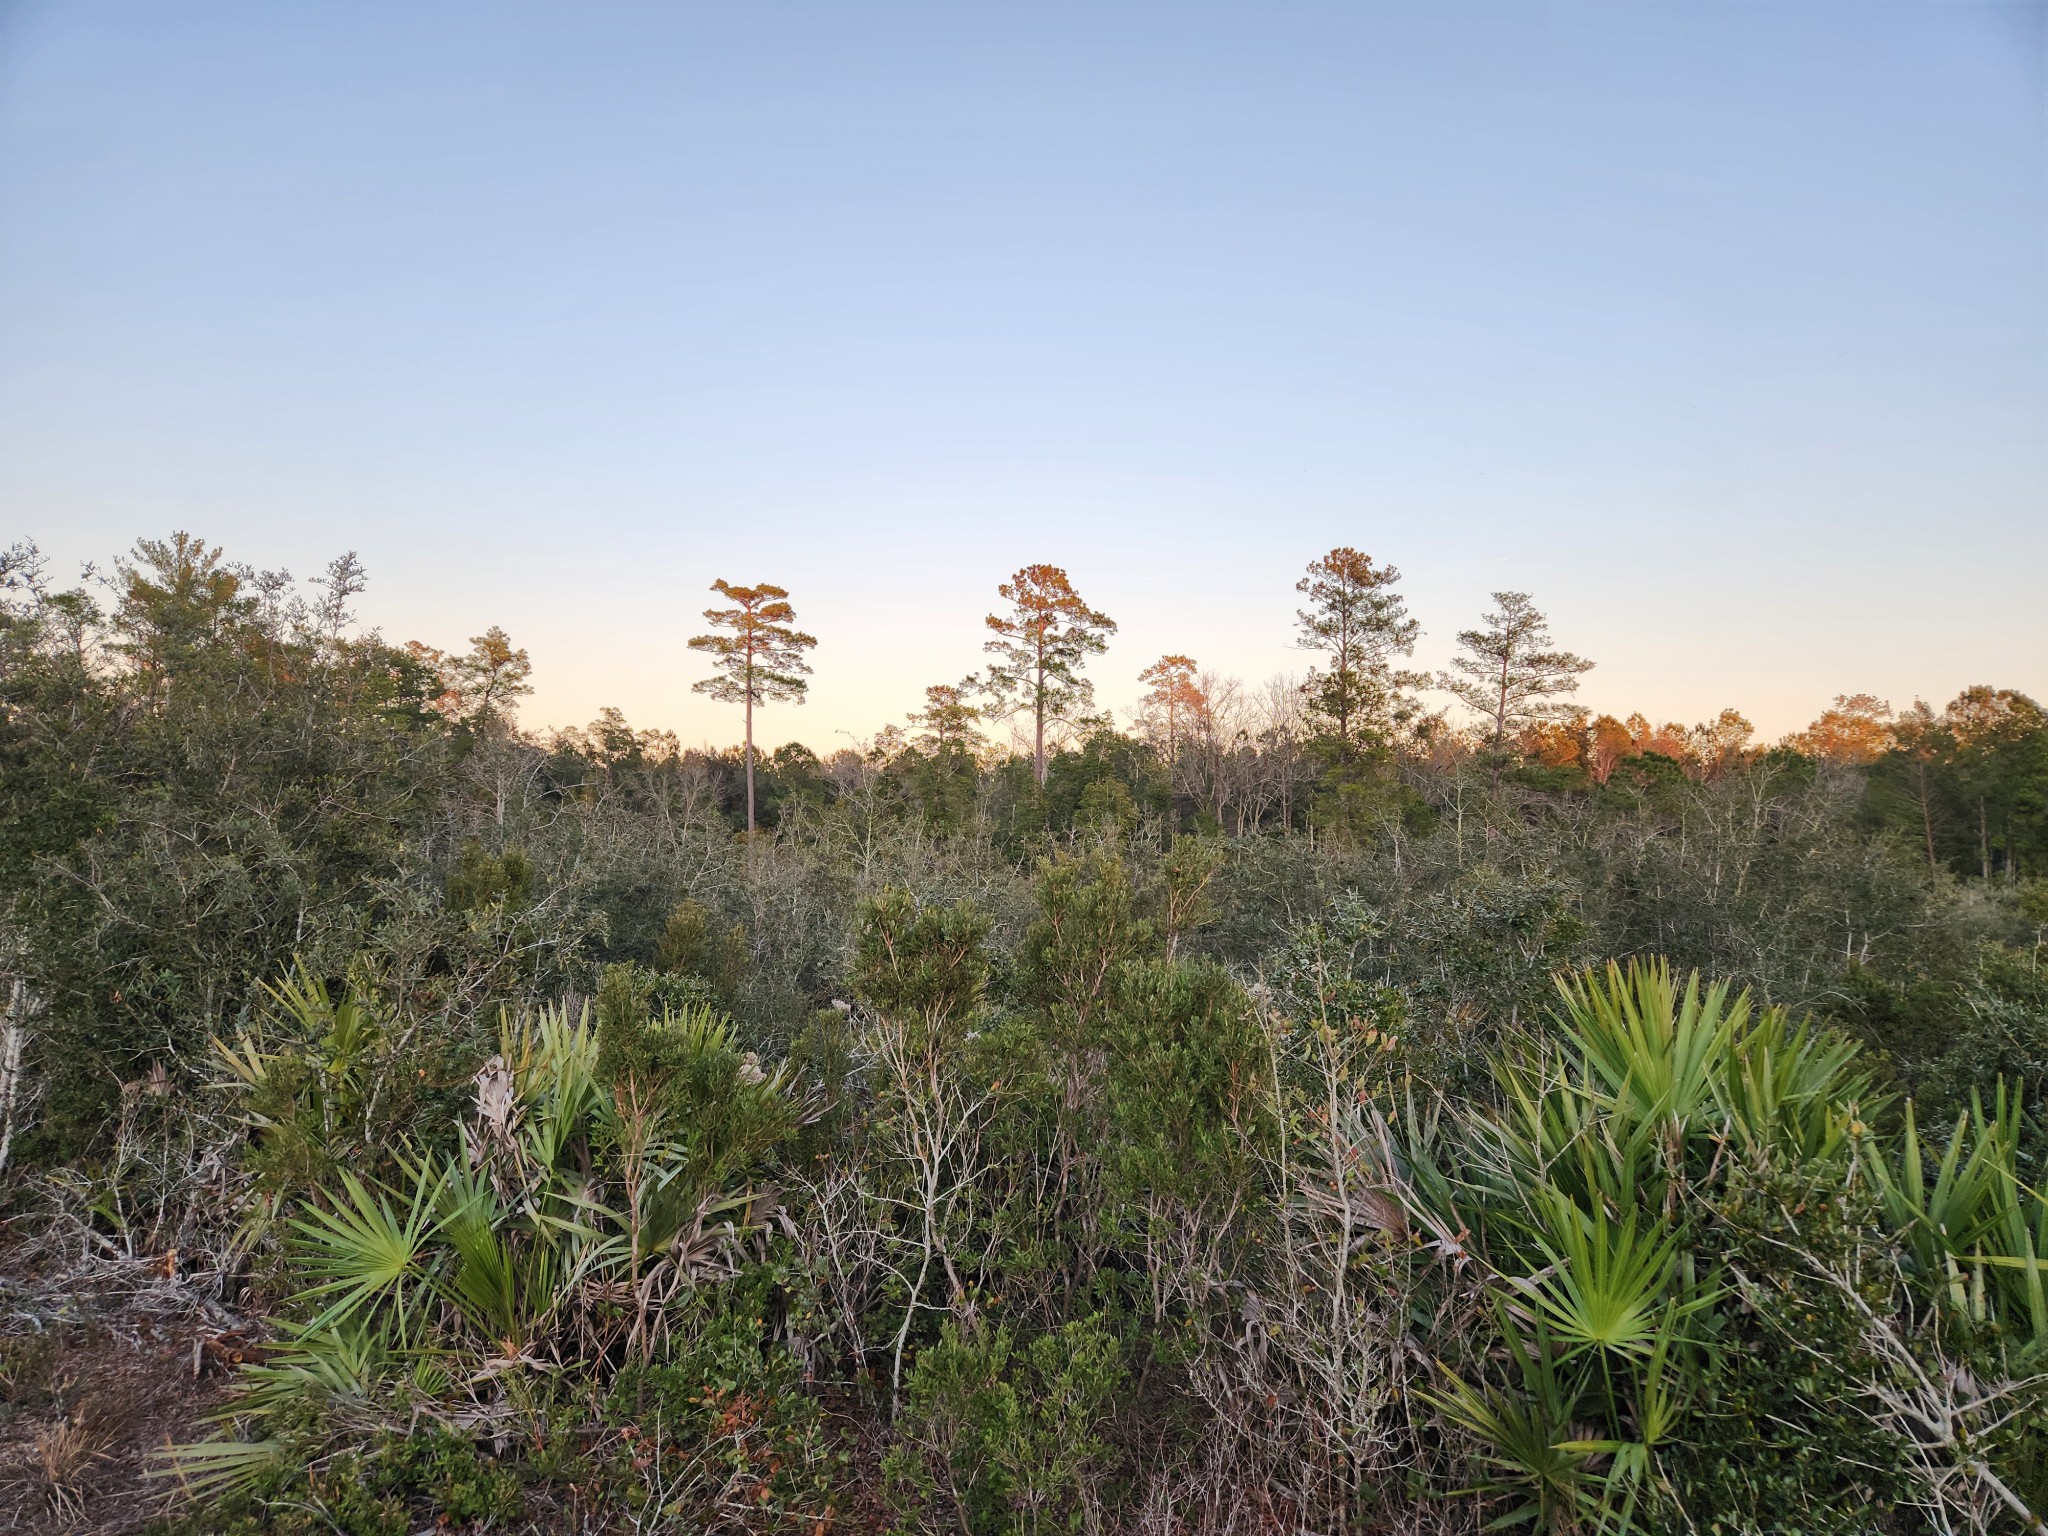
[65,1452]
[97,1370]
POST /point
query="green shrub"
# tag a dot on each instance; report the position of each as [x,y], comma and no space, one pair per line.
[1008,1437]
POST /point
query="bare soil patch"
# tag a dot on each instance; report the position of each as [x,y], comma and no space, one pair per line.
[104,1360]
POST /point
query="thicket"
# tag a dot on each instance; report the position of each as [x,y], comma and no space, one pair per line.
[1400,1138]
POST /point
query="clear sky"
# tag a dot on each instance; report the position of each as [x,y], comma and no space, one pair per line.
[1721,328]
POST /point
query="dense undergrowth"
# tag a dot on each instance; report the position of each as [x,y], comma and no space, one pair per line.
[1436,1145]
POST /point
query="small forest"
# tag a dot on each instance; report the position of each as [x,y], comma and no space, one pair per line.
[1308,1106]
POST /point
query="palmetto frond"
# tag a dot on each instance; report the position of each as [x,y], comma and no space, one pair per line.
[1607,1284]
[1654,1051]
[337,1368]
[364,1249]
[213,1469]
[1977,1233]
[1794,1088]
[1525,1433]
[513,1274]
[553,1059]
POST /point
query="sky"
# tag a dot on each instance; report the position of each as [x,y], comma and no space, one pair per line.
[1722,329]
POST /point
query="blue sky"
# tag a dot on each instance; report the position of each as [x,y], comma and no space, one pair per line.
[1721,328]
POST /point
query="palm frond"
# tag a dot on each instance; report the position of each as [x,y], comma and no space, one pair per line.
[364,1250]
[213,1469]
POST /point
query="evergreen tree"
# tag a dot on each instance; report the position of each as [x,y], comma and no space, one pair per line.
[2001,760]
[179,598]
[760,659]
[1969,782]
[1359,622]
[1173,698]
[1509,674]
[492,675]
[947,721]
[1039,649]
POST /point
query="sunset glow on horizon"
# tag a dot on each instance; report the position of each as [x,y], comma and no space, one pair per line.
[1720,331]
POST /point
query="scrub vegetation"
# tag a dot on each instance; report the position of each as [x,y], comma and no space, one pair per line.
[1289,1109]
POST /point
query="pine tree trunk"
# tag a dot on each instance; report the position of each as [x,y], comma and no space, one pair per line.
[1038,709]
[1500,721]
[750,760]
[1927,817]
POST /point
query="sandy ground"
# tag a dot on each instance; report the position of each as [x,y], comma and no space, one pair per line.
[104,1360]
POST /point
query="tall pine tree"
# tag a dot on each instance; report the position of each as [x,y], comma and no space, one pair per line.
[759,659]
[1360,624]
[1040,646]
[1509,674]
[1173,698]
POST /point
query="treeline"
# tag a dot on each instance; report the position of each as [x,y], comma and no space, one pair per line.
[207,771]
[1328,750]
[1961,784]
[1175,1127]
